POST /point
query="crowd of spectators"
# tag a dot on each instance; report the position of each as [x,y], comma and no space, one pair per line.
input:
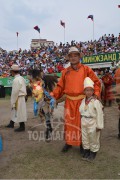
[52,59]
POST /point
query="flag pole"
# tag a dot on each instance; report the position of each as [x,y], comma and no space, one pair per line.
[64,35]
[93,29]
[92,18]
[39,39]
[38,29]
[17,43]
[63,24]
[17,40]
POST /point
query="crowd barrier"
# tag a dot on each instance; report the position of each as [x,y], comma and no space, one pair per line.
[6,84]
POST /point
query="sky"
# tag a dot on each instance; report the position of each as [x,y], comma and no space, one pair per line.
[22,15]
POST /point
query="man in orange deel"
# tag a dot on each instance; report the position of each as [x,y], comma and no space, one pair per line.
[71,84]
[117,89]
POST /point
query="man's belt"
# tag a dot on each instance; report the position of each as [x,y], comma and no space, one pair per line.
[75,97]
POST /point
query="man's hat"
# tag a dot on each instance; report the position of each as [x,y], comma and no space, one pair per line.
[73,50]
[15,67]
[88,83]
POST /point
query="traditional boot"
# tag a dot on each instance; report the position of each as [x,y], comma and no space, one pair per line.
[66,148]
[11,124]
[92,156]
[48,131]
[81,150]
[110,103]
[105,102]
[119,129]
[21,128]
[86,154]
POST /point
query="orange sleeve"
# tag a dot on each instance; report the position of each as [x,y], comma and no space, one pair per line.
[95,79]
[59,90]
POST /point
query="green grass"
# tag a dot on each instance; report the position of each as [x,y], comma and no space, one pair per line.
[47,161]
[24,159]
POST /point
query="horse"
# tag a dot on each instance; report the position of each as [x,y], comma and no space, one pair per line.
[49,84]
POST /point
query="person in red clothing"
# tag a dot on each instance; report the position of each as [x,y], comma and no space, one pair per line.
[60,67]
[117,76]
[107,81]
[71,84]
[50,70]
[117,80]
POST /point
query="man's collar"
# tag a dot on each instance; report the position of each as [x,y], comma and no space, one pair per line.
[17,75]
[77,67]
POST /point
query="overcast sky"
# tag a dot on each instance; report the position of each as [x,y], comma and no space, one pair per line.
[22,15]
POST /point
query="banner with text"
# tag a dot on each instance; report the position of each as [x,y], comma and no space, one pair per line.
[100,58]
[7,82]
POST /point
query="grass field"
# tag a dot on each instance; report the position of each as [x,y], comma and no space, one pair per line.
[29,159]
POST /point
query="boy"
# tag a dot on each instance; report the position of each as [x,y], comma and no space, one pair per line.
[91,121]
[44,102]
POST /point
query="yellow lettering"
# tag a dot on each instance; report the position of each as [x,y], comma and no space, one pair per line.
[97,58]
[114,57]
[89,59]
[101,58]
[105,57]
[110,57]
[84,59]
[119,56]
[93,59]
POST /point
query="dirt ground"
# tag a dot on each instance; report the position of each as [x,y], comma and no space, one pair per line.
[25,155]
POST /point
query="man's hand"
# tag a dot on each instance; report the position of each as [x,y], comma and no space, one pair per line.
[51,94]
[13,107]
[96,97]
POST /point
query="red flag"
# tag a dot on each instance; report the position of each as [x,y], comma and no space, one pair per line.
[37,28]
[17,33]
[118,6]
[62,23]
[91,17]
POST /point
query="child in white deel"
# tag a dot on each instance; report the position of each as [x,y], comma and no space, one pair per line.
[92,121]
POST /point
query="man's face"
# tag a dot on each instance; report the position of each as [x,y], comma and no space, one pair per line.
[12,73]
[74,58]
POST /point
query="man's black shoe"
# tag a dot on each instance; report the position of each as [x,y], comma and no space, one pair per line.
[92,156]
[119,128]
[66,148]
[21,128]
[86,154]
[11,124]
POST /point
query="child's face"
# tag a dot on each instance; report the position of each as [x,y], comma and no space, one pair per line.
[88,92]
